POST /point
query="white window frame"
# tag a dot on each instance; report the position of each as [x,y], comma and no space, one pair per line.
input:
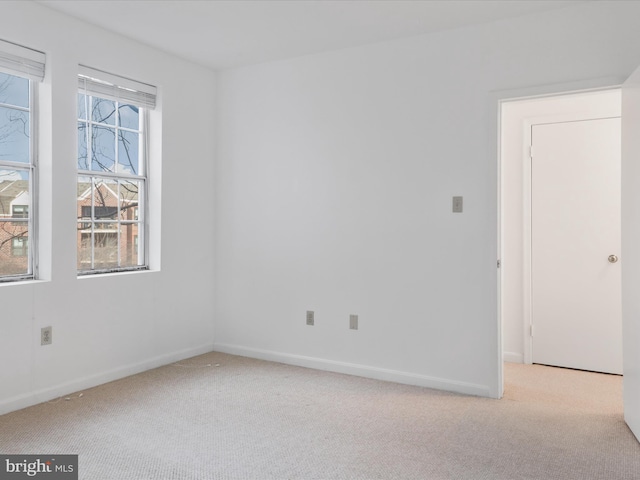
[9,64]
[96,83]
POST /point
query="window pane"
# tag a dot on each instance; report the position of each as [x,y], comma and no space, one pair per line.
[105,213]
[128,152]
[82,106]
[83,159]
[19,246]
[129,200]
[106,193]
[84,249]
[129,116]
[105,204]
[84,208]
[84,195]
[14,222]
[105,249]
[14,90]
[14,135]
[13,248]
[14,191]
[103,111]
[103,149]
[19,211]
[129,249]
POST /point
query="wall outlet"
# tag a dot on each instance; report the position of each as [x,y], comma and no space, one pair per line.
[353,322]
[457,205]
[310,318]
[46,335]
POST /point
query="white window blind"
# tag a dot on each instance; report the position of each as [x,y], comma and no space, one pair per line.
[22,61]
[114,87]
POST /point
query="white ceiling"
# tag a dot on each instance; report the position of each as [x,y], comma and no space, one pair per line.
[229,33]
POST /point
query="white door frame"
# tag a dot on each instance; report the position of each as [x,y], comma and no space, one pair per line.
[496,99]
[630,236]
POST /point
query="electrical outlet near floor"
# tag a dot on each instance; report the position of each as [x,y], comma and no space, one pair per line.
[310,318]
[457,205]
[353,322]
[46,335]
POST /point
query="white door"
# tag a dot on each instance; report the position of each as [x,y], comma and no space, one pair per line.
[631,249]
[575,245]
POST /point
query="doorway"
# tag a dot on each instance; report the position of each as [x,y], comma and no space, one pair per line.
[532,303]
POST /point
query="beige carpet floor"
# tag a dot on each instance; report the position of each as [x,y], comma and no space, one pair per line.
[219,416]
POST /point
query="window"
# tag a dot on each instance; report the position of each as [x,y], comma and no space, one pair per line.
[20,211]
[19,246]
[112,172]
[99,212]
[20,69]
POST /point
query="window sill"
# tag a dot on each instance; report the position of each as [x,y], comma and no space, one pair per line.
[28,281]
[116,274]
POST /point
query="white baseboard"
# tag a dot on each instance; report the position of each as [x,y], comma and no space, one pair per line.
[49,393]
[356,369]
[513,357]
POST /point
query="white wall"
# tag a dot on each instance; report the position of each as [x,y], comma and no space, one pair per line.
[516,117]
[108,326]
[335,177]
